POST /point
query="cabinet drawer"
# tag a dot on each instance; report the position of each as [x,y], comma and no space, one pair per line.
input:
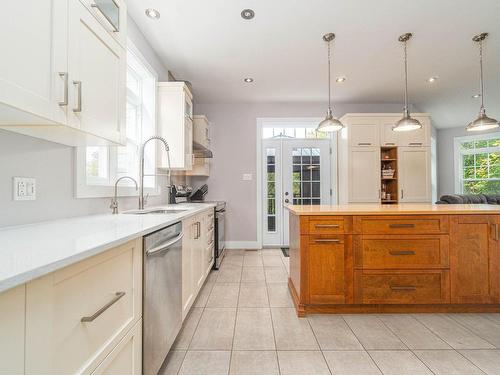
[81,312]
[391,287]
[401,224]
[326,225]
[392,252]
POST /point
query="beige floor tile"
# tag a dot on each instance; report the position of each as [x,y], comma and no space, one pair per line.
[212,277]
[300,363]
[272,261]
[224,295]
[453,333]
[279,295]
[286,262]
[413,333]
[215,330]
[482,326]
[203,295]
[232,252]
[333,333]
[272,252]
[206,363]
[253,260]
[493,316]
[351,363]
[254,363]
[229,274]
[372,333]
[447,362]
[253,295]
[254,330]
[486,360]
[276,274]
[291,332]
[172,363]
[235,260]
[186,334]
[399,362]
[253,274]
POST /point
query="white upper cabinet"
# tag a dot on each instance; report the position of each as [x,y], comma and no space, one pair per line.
[175,123]
[64,78]
[388,137]
[415,138]
[201,130]
[364,174]
[414,171]
[362,131]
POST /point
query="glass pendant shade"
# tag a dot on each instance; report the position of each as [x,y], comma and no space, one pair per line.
[329,124]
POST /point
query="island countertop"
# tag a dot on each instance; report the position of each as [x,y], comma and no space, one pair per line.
[394,209]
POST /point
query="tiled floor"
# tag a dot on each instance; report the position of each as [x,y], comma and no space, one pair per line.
[244,323]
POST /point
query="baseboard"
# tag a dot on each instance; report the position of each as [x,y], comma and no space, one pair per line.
[235,245]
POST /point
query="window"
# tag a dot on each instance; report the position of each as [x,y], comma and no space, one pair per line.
[306,176]
[293,132]
[477,161]
[271,189]
[99,167]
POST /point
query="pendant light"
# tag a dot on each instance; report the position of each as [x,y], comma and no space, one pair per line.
[330,123]
[407,123]
[483,122]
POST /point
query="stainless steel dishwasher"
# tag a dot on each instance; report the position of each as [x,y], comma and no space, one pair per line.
[162,295]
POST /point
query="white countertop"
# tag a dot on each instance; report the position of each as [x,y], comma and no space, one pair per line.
[34,250]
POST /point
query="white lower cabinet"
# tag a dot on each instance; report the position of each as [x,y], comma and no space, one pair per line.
[76,316]
[414,170]
[12,319]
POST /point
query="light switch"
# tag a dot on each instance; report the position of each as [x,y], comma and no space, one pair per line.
[24,189]
[247,177]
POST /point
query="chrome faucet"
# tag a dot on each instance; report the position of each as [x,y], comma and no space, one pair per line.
[114,201]
[142,199]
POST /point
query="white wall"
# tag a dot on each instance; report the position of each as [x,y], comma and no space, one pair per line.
[52,166]
[234,148]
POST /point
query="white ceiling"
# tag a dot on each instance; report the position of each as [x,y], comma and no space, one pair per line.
[209,44]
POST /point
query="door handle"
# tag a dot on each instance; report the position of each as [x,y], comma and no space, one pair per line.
[164,246]
[91,318]
[78,108]
[64,76]
[287,200]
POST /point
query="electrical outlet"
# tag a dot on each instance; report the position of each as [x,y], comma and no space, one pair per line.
[24,189]
[247,177]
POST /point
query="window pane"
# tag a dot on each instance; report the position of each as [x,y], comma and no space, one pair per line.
[495,171]
[494,142]
[97,162]
[133,122]
[468,160]
[482,187]
[467,145]
[469,173]
[271,224]
[267,133]
[271,207]
[300,132]
[481,144]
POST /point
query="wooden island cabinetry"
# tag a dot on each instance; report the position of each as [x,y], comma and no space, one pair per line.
[397,258]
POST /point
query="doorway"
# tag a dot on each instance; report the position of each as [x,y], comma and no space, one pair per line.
[295,170]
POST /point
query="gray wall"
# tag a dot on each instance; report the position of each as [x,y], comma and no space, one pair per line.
[234,146]
[445,157]
[52,166]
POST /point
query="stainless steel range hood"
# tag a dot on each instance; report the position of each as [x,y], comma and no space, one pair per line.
[201,152]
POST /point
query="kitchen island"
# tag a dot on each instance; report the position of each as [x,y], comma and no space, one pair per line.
[371,258]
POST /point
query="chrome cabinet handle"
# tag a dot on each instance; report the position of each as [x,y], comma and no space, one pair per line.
[198,230]
[164,246]
[401,225]
[402,252]
[319,240]
[78,108]
[415,143]
[64,76]
[87,319]
[390,143]
[494,231]
[404,288]
[364,144]
[402,194]
[327,226]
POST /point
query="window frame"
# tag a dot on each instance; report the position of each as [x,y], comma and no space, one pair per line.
[458,154]
[106,189]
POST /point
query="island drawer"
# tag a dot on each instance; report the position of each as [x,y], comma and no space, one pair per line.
[402,287]
[326,225]
[417,224]
[401,252]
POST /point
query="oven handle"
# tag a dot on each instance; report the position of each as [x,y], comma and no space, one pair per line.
[162,247]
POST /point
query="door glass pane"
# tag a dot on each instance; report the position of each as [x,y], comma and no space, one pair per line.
[271,189]
[306,178]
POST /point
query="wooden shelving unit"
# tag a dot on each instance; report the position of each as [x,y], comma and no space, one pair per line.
[389,185]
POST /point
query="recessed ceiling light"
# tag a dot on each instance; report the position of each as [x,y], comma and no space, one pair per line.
[432,79]
[476,96]
[340,79]
[247,14]
[152,13]
[248,80]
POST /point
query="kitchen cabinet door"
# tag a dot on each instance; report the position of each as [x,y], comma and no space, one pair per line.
[414,171]
[188,250]
[12,323]
[364,174]
[98,71]
[388,137]
[475,259]
[363,132]
[419,137]
[33,57]
[198,254]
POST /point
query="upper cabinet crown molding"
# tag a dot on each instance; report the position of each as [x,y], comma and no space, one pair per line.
[67,82]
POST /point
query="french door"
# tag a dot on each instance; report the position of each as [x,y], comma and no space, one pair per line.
[295,171]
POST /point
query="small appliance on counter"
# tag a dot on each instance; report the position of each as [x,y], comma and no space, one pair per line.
[182,193]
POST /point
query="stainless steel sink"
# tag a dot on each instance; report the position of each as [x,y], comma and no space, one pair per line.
[157,211]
